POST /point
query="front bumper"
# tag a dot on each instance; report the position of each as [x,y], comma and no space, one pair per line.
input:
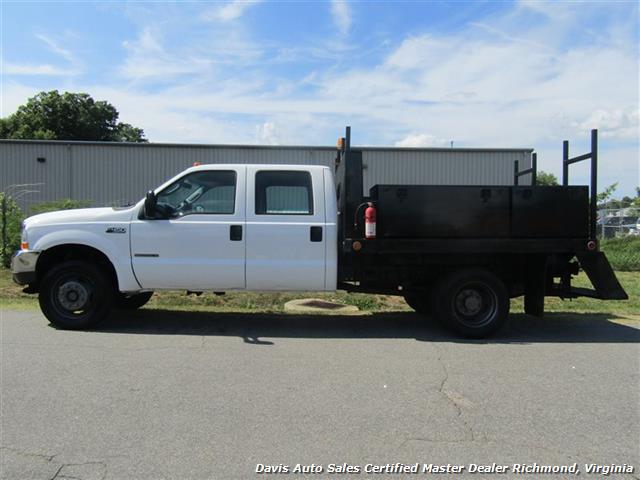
[23,266]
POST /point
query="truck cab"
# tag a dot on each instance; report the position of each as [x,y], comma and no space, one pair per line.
[237,227]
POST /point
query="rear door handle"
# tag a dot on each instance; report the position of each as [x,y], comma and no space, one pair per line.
[235,233]
[315,234]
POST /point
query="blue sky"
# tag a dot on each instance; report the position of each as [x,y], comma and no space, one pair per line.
[481,74]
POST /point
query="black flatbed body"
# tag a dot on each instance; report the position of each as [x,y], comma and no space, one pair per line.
[481,212]
[533,237]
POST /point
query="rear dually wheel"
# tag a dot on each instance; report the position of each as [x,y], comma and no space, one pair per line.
[474,303]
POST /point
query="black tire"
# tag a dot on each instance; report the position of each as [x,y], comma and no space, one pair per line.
[132,302]
[75,294]
[420,301]
[474,303]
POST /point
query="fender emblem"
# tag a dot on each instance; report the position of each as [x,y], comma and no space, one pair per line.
[116,230]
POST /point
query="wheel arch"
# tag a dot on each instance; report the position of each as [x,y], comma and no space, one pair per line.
[75,251]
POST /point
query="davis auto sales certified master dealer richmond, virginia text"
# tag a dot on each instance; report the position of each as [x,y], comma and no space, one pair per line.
[416,468]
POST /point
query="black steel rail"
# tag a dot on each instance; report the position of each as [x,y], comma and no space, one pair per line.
[593,189]
[533,170]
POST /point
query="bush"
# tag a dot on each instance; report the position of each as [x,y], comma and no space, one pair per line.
[623,252]
[12,223]
[15,217]
[64,204]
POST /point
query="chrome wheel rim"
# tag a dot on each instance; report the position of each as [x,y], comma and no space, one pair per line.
[73,295]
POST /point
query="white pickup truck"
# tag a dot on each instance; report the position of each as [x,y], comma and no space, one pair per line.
[455,252]
[214,228]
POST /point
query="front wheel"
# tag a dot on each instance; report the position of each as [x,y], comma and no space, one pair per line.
[75,294]
[474,303]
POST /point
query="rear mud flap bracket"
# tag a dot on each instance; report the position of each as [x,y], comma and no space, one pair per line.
[602,276]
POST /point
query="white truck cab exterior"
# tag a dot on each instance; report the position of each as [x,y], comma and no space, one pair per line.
[216,228]
[225,242]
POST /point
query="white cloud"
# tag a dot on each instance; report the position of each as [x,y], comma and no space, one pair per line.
[57,49]
[341,13]
[617,123]
[550,8]
[421,140]
[148,59]
[41,69]
[13,95]
[266,134]
[231,11]
[71,67]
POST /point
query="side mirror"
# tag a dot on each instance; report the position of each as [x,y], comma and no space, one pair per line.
[150,203]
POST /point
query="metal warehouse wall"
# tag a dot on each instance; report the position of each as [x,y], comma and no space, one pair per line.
[112,174]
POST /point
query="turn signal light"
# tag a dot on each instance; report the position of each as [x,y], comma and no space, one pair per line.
[24,245]
[340,144]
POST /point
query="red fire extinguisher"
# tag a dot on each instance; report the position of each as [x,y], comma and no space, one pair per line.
[370,222]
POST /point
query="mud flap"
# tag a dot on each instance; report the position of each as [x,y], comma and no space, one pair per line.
[601,275]
[534,286]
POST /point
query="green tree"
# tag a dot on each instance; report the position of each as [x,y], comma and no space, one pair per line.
[544,178]
[604,196]
[68,116]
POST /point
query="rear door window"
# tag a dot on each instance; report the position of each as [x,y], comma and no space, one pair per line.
[284,193]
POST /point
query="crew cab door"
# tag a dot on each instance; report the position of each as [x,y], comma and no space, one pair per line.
[201,246]
[286,228]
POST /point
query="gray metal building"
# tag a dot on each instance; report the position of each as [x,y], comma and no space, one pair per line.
[108,173]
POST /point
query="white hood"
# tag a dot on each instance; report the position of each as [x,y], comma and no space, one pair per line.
[82,215]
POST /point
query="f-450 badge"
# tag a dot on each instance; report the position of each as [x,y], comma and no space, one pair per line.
[116,230]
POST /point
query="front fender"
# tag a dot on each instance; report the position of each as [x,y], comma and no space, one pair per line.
[115,248]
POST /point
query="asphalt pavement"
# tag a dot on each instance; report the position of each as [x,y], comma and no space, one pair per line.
[181,395]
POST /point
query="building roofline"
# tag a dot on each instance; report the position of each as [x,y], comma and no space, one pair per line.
[254,147]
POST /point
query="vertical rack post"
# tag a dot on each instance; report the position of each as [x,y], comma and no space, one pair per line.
[517,173]
[565,164]
[594,182]
[534,169]
[593,197]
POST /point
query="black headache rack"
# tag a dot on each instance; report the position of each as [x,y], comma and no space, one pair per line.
[533,220]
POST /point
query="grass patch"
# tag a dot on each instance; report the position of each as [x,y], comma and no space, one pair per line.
[623,252]
[270,302]
[11,297]
[630,281]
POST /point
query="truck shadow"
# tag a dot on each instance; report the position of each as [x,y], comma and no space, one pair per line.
[264,328]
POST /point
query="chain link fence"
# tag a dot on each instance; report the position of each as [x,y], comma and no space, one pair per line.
[619,232]
[618,222]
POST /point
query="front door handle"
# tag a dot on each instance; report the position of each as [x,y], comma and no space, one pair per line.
[315,234]
[235,233]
